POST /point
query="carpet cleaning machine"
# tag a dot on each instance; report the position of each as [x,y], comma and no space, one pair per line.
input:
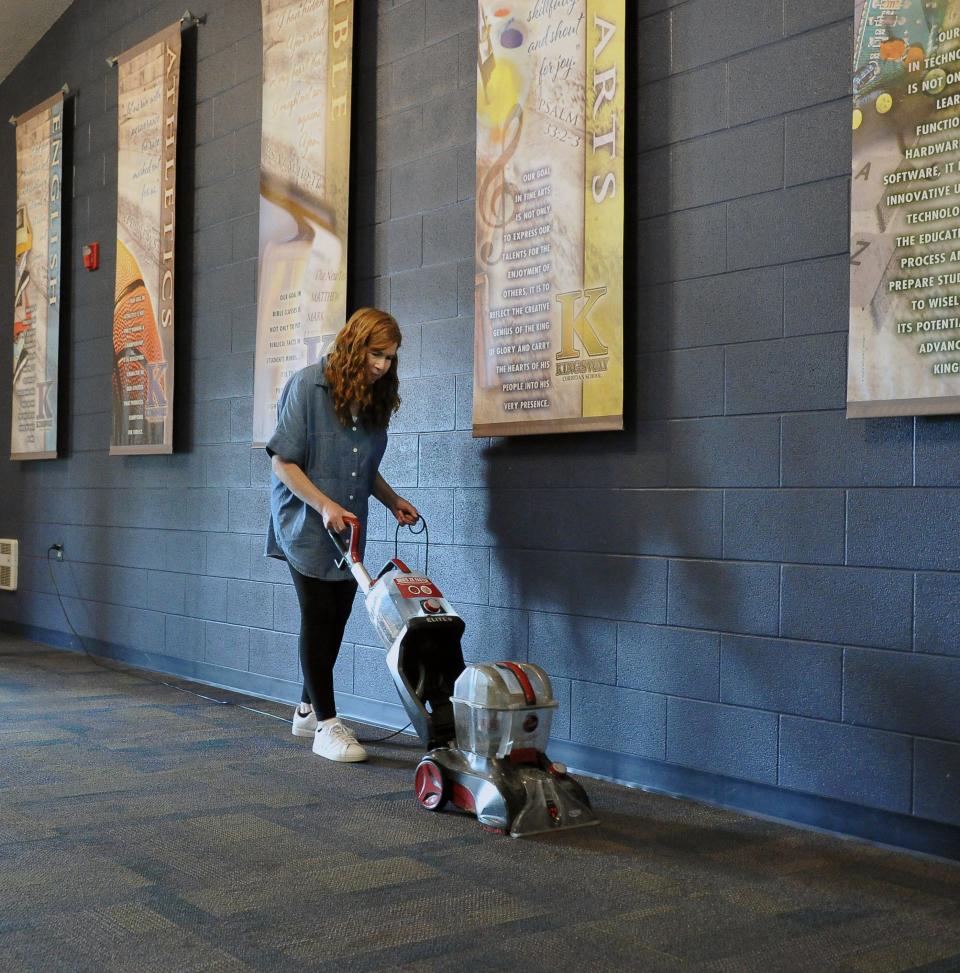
[485,726]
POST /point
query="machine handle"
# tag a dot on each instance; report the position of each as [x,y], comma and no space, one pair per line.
[349,551]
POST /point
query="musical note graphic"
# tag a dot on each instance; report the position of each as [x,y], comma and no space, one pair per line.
[496,194]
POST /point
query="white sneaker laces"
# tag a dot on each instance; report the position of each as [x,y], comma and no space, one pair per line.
[338,731]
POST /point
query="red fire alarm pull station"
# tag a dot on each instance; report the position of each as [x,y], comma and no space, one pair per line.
[91,256]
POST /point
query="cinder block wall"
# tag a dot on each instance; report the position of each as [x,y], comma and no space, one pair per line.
[743,586]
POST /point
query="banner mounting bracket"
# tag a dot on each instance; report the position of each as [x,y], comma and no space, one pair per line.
[64,90]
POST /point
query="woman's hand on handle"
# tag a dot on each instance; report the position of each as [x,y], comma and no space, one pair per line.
[405,512]
[301,486]
[335,517]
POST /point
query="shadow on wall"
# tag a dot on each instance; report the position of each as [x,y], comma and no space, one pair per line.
[364,198]
[186,324]
[67,269]
[578,524]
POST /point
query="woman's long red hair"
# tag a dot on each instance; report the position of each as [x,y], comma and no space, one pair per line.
[346,372]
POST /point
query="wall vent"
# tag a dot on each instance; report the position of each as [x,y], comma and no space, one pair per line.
[8,565]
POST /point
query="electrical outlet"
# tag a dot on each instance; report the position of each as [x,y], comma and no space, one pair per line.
[9,561]
[58,551]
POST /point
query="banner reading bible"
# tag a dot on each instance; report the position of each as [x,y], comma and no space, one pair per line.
[905,210]
[304,190]
[548,348]
[36,312]
[149,85]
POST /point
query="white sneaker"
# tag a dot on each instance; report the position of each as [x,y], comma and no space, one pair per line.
[303,726]
[336,741]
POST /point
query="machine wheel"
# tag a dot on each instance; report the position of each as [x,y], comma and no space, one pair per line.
[429,785]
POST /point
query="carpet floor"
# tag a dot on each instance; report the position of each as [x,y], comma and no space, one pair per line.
[145,828]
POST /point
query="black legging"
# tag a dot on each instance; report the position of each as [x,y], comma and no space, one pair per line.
[324,610]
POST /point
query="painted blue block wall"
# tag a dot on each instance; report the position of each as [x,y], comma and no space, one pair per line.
[743,585]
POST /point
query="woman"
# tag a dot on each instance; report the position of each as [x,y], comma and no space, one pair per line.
[331,435]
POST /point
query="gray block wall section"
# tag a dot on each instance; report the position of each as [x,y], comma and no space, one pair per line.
[743,583]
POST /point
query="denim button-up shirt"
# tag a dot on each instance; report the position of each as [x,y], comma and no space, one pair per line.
[341,461]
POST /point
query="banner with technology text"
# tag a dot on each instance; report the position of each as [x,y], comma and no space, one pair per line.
[148,101]
[304,192]
[548,348]
[904,353]
[36,313]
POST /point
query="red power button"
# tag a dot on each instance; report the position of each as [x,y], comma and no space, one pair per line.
[430,606]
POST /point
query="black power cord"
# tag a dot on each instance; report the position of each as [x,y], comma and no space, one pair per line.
[124,670]
[389,736]
[426,547]
[140,674]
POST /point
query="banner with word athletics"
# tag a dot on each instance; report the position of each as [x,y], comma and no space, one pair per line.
[904,356]
[149,89]
[548,348]
[304,190]
[36,313]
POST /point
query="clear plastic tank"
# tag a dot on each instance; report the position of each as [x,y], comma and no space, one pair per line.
[385,615]
[500,707]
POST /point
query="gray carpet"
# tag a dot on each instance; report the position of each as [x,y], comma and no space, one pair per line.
[143,828]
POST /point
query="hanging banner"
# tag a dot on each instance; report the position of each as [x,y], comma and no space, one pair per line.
[304,189]
[36,313]
[149,88]
[904,356]
[548,348]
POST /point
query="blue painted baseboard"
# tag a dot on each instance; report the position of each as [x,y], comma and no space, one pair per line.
[791,807]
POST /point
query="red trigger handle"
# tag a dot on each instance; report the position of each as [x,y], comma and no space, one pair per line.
[348,550]
[354,538]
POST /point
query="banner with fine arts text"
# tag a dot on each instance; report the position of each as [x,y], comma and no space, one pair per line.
[304,190]
[148,100]
[36,313]
[548,349]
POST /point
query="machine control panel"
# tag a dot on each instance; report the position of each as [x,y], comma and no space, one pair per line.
[416,586]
